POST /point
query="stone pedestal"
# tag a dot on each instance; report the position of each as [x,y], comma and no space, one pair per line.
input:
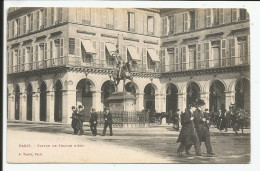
[121,101]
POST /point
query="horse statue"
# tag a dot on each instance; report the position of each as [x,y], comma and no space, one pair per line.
[122,72]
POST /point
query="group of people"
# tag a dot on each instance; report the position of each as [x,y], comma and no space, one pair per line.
[194,130]
[78,120]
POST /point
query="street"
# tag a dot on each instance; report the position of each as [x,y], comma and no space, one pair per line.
[43,143]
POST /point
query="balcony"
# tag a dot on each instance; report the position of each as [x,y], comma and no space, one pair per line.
[76,62]
[207,64]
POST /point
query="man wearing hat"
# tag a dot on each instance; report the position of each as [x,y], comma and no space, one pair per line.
[80,119]
[74,122]
[93,120]
[108,122]
[202,126]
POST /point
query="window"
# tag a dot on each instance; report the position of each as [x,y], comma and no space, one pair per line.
[131,21]
[208,17]
[51,49]
[24,24]
[36,53]
[206,49]
[221,16]
[31,22]
[59,14]
[23,57]
[44,17]
[242,14]
[13,24]
[243,48]
[61,47]
[192,20]
[8,29]
[72,46]
[150,24]
[197,19]
[109,18]
[45,51]
[172,24]
[19,57]
[31,54]
[215,16]
[176,59]
[37,20]
[86,16]
[184,58]
[164,24]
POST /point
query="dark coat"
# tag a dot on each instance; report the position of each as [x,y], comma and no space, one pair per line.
[74,121]
[93,118]
[200,125]
[187,129]
[81,118]
[108,118]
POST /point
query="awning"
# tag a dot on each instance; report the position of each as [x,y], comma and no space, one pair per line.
[153,55]
[111,48]
[133,53]
[88,46]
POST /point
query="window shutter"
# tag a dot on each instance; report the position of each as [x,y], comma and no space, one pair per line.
[95,47]
[145,23]
[51,49]
[196,19]
[137,23]
[125,20]
[234,14]
[184,57]
[104,13]
[208,17]
[79,15]
[165,26]
[124,53]
[45,51]
[19,57]
[144,56]
[49,21]
[186,22]
[36,53]
[23,57]
[77,47]
[198,52]
[207,54]
[171,24]
[227,15]
[175,24]
[102,51]
[93,16]
[223,48]
[180,23]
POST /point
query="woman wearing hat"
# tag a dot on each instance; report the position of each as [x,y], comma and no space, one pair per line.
[202,126]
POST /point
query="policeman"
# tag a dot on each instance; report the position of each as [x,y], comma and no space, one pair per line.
[93,120]
[74,121]
[108,122]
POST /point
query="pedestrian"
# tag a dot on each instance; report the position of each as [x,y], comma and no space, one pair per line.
[188,135]
[202,127]
[207,116]
[74,121]
[80,119]
[108,122]
[93,120]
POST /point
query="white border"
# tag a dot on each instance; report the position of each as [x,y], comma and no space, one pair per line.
[254,11]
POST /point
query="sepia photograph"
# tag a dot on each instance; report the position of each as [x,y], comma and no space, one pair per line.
[127,85]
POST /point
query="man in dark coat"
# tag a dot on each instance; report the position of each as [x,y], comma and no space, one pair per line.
[93,120]
[108,122]
[74,121]
[80,119]
[176,118]
[202,126]
[188,135]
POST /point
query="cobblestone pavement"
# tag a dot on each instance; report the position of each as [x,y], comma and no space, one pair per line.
[159,141]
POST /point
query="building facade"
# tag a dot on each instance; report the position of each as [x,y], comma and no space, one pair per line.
[62,57]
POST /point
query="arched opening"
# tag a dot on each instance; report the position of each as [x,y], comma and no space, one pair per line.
[29,102]
[106,89]
[193,93]
[217,96]
[130,88]
[171,98]
[58,102]
[17,103]
[85,96]
[43,102]
[242,96]
[149,97]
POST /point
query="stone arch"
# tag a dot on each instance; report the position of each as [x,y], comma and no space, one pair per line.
[233,83]
[58,101]
[106,89]
[210,82]
[136,87]
[149,91]
[242,93]
[193,90]
[171,97]
[217,98]
[43,100]
[91,78]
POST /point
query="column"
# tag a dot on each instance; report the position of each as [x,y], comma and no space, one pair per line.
[23,106]
[205,96]
[68,100]
[163,102]
[97,101]
[36,106]
[50,106]
[139,101]
[182,101]
[230,98]
[157,102]
[11,106]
